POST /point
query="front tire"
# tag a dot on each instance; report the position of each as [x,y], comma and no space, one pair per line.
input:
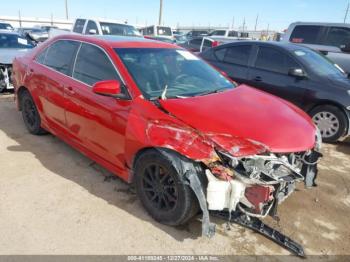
[331,121]
[161,189]
[30,114]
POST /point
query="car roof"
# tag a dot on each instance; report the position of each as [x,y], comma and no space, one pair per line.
[321,24]
[103,20]
[117,41]
[284,45]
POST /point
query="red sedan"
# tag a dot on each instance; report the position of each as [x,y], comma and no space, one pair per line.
[158,116]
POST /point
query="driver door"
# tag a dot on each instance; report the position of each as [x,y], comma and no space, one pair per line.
[96,122]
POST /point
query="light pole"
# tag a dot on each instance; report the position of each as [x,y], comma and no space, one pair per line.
[160,12]
[67,16]
[346,13]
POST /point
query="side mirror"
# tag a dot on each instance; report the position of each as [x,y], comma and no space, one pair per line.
[345,48]
[92,32]
[110,88]
[297,72]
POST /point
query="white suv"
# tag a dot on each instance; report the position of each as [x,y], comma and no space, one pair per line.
[103,27]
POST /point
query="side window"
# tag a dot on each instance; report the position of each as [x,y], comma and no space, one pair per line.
[79,26]
[60,55]
[91,26]
[307,34]
[41,57]
[218,33]
[92,65]
[233,33]
[238,55]
[220,54]
[149,30]
[273,60]
[338,36]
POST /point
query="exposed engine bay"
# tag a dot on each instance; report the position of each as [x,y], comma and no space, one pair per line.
[256,185]
[5,77]
[244,189]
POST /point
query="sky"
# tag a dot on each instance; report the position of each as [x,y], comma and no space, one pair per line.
[275,14]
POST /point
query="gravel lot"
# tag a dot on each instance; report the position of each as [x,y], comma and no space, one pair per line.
[54,200]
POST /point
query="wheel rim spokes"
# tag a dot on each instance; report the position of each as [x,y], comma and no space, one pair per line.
[327,122]
[29,112]
[160,187]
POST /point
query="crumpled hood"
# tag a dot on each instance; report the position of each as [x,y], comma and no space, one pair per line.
[250,114]
[8,54]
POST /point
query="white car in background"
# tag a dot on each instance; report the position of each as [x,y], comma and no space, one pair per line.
[103,27]
[11,45]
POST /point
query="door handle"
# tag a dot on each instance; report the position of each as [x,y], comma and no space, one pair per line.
[258,79]
[69,90]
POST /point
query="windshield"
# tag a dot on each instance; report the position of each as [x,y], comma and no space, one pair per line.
[13,41]
[174,72]
[119,29]
[6,26]
[319,63]
[162,30]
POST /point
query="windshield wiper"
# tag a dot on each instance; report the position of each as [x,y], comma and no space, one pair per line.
[163,96]
[213,91]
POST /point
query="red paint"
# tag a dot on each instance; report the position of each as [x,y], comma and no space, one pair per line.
[258,195]
[250,114]
[108,87]
[111,131]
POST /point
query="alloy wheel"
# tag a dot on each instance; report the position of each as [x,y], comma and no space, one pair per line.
[30,112]
[327,122]
[160,187]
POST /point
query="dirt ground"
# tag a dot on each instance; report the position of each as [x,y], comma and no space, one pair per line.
[54,200]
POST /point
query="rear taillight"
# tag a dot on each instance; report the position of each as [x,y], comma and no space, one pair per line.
[214,43]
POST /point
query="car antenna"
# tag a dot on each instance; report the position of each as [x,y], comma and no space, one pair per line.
[163,96]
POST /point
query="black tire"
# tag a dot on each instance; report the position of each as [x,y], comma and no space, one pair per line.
[165,197]
[338,123]
[30,114]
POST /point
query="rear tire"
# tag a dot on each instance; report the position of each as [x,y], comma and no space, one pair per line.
[331,121]
[161,189]
[30,114]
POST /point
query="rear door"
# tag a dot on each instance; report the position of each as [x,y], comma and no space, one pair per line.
[96,122]
[270,73]
[50,76]
[234,61]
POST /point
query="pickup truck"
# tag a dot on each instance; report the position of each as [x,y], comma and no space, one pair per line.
[103,27]
[331,39]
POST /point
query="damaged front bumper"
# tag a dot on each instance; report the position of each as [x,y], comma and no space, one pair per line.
[244,189]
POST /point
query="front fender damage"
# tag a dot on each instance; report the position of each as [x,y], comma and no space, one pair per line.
[244,178]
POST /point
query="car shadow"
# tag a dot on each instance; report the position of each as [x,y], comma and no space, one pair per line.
[344,146]
[63,160]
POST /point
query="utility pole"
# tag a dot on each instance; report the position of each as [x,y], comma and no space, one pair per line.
[243,24]
[67,16]
[346,13]
[19,18]
[160,12]
[233,22]
[256,22]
